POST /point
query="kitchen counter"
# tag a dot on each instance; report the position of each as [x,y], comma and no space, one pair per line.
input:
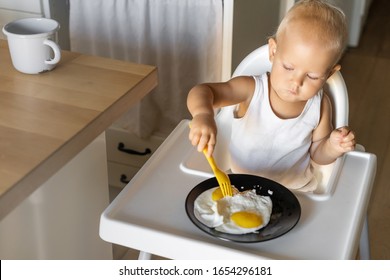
[53,160]
[46,119]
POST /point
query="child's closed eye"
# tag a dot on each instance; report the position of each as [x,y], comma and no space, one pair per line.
[312,77]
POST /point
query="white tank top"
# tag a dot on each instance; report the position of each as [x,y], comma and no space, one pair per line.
[265,145]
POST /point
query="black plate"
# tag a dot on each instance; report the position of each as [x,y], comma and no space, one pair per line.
[286,209]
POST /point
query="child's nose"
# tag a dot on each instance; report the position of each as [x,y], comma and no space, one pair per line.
[298,79]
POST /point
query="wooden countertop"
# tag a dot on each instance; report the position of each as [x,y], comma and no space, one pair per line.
[46,119]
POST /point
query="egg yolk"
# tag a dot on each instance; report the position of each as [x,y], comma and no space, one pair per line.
[246,219]
[217,194]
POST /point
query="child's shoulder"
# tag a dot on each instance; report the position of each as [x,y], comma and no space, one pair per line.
[250,80]
[243,81]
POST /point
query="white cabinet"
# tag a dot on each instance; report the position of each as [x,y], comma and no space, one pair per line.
[126,154]
[60,220]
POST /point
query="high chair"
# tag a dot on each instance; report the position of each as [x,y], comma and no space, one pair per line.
[149,214]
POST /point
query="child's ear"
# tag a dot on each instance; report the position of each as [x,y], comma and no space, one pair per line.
[336,68]
[271,48]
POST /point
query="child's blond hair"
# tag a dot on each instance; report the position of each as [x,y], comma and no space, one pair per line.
[327,22]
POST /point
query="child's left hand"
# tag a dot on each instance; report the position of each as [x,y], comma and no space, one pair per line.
[342,140]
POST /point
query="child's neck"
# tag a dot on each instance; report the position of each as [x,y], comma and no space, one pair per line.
[283,109]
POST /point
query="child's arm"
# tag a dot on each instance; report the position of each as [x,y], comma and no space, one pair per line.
[203,99]
[328,145]
[203,130]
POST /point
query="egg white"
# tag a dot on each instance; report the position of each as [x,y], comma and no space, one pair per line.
[216,214]
[247,201]
[205,209]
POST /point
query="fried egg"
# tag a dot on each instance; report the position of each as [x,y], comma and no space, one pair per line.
[244,212]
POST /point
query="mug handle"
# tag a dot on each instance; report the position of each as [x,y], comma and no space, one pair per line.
[56,50]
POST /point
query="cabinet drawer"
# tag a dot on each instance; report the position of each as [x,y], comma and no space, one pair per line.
[126,148]
[119,174]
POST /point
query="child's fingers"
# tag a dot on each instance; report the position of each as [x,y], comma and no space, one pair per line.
[344,138]
[210,149]
[349,137]
[348,141]
[207,142]
[203,143]
[343,130]
[202,139]
[194,138]
[348,145]
[345,134]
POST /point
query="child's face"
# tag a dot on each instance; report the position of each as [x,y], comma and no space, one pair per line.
[300,66]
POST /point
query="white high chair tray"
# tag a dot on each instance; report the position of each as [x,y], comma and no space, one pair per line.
[149,214]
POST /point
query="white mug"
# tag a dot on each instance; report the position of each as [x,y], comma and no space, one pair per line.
[31,45]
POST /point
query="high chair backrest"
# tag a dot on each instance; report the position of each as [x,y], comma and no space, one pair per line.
[256,63]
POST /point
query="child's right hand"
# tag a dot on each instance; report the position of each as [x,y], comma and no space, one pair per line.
[203,132]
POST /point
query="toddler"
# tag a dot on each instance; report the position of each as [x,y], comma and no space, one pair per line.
[282,120]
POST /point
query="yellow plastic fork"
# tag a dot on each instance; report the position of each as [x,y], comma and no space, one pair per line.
[222,177]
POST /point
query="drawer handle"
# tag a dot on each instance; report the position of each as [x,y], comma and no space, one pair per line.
[123,179]
[121,147]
